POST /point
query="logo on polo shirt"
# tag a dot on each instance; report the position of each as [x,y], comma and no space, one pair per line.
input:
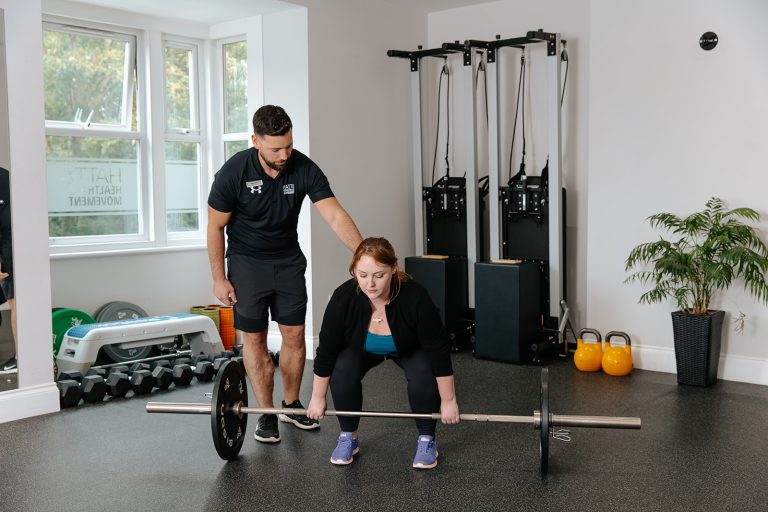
[288,189]
[254,186]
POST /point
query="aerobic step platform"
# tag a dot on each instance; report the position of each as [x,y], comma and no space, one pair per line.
[81,344]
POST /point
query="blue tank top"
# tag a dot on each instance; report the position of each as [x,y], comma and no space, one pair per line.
[379,344]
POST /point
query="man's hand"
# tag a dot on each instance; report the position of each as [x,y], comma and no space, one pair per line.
[225,292]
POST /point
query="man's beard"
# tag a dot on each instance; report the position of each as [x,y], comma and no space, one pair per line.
[275,166]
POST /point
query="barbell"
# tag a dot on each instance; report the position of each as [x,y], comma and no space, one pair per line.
[229,414]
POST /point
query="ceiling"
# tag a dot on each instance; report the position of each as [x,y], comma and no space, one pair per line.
[217,11]
[201,11]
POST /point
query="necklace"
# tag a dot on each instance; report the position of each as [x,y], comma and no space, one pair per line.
[377,320]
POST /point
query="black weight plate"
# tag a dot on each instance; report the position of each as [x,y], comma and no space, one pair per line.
[115,311]
[544,430]
[99,313]
[228,428]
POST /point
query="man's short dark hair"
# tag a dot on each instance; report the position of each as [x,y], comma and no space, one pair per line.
[271,120]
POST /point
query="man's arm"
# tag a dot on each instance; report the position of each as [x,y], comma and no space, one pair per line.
[340,222]
[222,288]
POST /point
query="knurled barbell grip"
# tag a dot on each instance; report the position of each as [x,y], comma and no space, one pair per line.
[557,420]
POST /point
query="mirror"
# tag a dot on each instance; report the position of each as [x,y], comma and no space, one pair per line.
[8,369]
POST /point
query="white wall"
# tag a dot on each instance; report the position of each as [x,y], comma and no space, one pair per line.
[671,126]
[162,282]
[36,394]
[5,150]
[285,52]
[359,106]
[514,18]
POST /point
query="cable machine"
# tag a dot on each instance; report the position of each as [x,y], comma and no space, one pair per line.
[447,220]
[523,307]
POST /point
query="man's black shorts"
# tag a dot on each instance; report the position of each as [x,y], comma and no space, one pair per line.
[268,286]
[6,288]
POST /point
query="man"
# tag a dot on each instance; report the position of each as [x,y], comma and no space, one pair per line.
[257,196]
[6,264]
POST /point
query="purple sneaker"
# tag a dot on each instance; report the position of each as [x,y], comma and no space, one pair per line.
[345,450]
[426,453]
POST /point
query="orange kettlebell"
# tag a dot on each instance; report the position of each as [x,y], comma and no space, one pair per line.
[617,359]
[588,356]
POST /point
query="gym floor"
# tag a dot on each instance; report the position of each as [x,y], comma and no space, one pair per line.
[699,449]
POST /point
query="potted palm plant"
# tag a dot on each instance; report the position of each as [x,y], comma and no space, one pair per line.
[706,253]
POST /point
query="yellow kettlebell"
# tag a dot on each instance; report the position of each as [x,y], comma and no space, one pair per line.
[588,356]
[617,360]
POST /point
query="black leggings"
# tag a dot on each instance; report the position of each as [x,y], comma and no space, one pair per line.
[347,389]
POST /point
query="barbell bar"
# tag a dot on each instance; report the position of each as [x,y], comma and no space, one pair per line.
[556,419]
[229,414]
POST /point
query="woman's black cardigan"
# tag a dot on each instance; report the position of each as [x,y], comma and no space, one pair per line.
[412,317]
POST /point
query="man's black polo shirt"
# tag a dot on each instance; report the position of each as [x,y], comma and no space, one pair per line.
[265,211]
[6,249]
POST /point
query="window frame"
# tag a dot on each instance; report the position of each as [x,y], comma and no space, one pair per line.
[196,135]
[244,136]
[149,67]
[91,243]
[98,30]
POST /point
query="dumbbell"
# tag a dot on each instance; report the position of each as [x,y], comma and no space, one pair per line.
[97,371]
[161,362]
[118,384]
[69,392]
[142,380]
[198,358]
[140,366]
[204,371]
[163,377]
[94,388]
[218,362]
[119,369]
[182,374]
[76,376]
[73,386]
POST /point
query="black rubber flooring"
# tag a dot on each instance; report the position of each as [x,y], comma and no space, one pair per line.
[700,449]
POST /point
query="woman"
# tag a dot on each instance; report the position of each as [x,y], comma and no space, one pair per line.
[381,314]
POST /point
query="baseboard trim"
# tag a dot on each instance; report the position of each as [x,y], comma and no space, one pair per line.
[735,368]
[29,401]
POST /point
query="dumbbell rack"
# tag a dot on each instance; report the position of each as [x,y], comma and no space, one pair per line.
[117,380]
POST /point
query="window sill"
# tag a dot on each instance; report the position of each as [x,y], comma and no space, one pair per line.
[74,252]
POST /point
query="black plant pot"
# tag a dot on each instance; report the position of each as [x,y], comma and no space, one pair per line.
[697,346]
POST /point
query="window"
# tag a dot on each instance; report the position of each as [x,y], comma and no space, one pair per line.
[107,184]
[183,177]
[111,186]
[235,108]
[93,141]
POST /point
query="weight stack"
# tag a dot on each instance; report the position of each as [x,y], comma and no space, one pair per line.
[445,279]
[507,311]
